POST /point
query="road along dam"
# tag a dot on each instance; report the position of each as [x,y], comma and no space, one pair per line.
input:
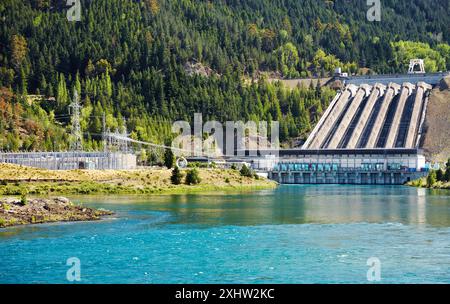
[370,134]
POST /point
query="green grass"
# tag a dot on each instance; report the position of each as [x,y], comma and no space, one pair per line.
[422,183]
[37,188]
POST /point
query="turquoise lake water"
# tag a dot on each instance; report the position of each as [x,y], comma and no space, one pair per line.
[294,234]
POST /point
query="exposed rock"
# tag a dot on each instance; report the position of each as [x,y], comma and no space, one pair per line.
[11,200]
[62,200]
[336,84]
[435,141]
[197,68]
[15,211]
[445,83]
[301,82]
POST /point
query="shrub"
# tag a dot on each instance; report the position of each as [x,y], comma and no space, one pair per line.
[169,159]
[197,165]
[447,175]
[193,165]
[177,176]
[245,171]
[227,180]
[23,196]
[447,171]
[23,199]
[192,177]
[431,178]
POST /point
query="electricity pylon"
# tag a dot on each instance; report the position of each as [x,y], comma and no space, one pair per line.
[76,143]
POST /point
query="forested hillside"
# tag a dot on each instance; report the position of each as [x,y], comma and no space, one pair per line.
[129,59]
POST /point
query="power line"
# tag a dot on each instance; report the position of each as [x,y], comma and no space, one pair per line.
[109,138]
[124,138]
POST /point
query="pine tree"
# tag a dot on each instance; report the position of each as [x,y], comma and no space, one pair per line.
[447,171]
[153,5]
[62,95]
[169,158]
[78,83]
[431,179]
[23,82]
[19,50]
[177,176]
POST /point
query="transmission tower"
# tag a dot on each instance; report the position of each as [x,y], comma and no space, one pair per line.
[105,135]
[76,135]
[124,134]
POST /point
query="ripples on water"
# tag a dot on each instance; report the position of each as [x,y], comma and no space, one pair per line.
[295,234]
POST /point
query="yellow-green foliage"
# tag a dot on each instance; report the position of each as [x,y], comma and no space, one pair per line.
[436,59]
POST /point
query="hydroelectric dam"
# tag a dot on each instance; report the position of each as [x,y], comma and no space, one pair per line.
[369,134]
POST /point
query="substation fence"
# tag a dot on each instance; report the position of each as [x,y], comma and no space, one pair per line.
[71,160]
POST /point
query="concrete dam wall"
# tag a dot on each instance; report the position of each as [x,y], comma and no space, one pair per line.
[373,116]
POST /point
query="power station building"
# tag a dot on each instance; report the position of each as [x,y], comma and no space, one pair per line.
[370,134]
[356,166]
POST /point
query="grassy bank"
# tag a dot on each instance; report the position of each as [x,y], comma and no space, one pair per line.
[16,180]
[422,183]
[436,179]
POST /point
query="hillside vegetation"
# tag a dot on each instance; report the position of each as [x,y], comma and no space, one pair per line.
[128,59]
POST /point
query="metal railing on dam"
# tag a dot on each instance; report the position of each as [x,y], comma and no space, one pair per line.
[358,177]
[430,78]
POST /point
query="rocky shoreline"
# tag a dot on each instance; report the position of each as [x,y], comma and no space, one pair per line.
[22,211]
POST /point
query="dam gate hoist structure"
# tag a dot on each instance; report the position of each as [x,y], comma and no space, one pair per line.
[369,134]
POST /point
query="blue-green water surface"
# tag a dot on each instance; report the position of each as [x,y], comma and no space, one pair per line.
[294,234]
